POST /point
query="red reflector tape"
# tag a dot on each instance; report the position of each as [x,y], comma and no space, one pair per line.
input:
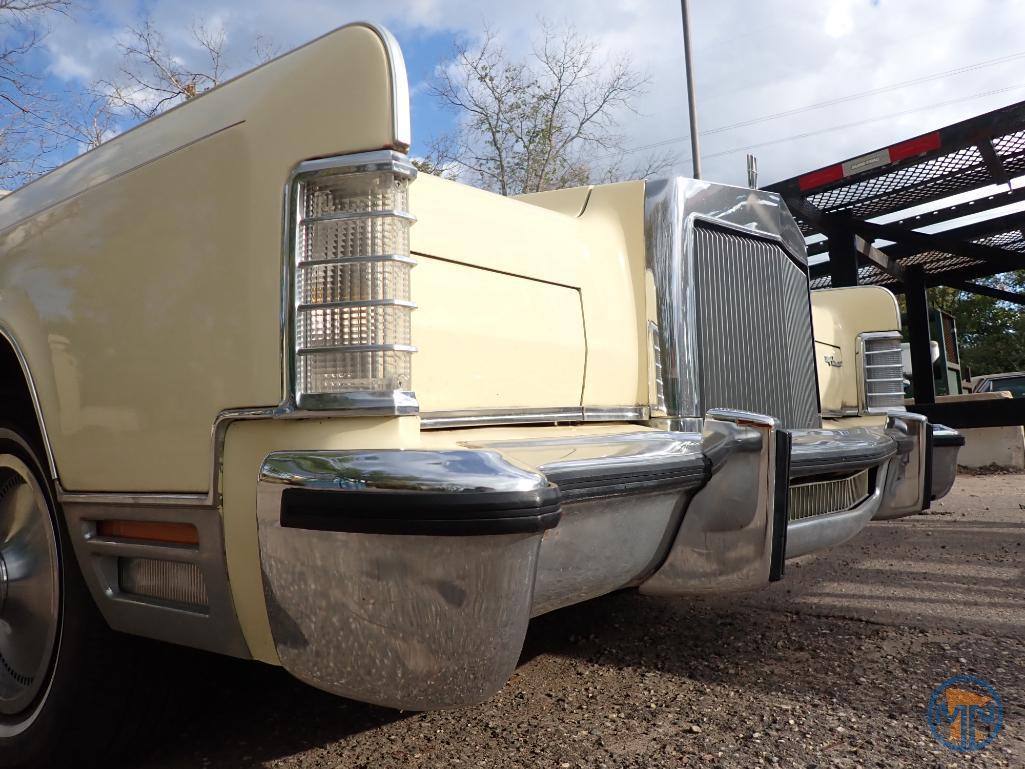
[820,177]
[915,146]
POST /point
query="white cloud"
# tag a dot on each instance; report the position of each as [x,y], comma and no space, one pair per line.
[752,59]
[839,20]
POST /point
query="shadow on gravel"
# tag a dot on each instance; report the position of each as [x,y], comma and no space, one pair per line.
[233,713]
[872,668]
[855,640]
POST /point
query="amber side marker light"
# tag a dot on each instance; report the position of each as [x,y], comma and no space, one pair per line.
[154,531]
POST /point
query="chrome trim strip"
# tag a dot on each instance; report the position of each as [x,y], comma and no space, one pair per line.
[358,163]
[365,402]
[817,452]
[143,499]
[401,123]
[353,348]
[616,413]
[356,260]
[348,216]
[126,549]
[356,303]
[440,420]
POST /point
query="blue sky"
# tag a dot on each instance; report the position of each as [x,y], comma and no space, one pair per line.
[753,61]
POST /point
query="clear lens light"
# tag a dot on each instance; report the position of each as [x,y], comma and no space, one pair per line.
[884,373]
[352,299]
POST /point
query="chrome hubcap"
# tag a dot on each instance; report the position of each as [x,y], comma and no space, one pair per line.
[29,588]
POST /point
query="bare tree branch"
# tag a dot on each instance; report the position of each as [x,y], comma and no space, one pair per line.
[542,123]
[28,113]
[152,78]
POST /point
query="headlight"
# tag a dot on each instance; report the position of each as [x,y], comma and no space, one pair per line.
[350,299]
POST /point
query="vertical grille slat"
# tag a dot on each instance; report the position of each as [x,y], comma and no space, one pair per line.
[754,328]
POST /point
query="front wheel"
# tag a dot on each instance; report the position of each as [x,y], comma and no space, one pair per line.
[72,691]
[30,594]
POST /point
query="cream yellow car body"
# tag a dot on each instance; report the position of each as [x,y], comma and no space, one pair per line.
[141,288]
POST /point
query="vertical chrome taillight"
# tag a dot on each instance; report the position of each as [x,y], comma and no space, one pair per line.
[882,373]
[350,299]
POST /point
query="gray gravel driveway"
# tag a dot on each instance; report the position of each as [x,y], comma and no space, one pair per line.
[832,667]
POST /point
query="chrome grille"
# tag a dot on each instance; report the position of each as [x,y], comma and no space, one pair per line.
[824,497]
[882,371]
[754,328]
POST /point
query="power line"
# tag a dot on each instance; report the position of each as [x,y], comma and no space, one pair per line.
[857,123]
[829,103]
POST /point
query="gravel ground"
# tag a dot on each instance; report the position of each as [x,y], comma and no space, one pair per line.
[832,667]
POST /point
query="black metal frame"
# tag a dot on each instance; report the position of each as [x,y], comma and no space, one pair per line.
[838,201]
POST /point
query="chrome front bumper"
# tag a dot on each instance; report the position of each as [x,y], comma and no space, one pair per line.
[946,443]
[408,578]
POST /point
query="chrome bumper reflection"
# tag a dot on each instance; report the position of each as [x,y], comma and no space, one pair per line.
[907,491]
[731,536]
[408,578]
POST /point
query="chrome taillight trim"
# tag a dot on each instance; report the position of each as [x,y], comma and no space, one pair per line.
[356,348]
[869,373]
[355,260]
[358,303]
[296,402]
[348,216]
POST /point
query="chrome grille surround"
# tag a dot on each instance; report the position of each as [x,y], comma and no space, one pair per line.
[881,373]
[808,500]
[675,209]
[754,316]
